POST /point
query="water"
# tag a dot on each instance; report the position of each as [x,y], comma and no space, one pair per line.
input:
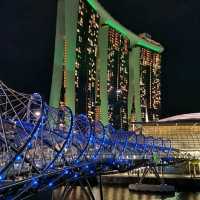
[122,193]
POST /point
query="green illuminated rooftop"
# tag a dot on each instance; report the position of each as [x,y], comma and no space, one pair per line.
[92,3]
[135,40]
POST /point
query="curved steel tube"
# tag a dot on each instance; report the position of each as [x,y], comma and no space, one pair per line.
[57,145]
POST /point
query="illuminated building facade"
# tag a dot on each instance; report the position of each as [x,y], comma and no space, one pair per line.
[86,53]
[98,100]
[118,66]
[150,84]
[102,69]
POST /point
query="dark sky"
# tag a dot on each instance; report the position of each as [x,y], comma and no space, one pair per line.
[176,25]
[27,42]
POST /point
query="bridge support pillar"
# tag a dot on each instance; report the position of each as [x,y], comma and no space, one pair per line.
[65,191]
[161,187]
[153,169]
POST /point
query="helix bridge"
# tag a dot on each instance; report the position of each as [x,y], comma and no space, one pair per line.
[42,148]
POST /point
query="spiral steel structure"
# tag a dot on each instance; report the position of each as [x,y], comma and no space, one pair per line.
[42,147]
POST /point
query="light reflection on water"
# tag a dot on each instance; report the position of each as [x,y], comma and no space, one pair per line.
[122,193]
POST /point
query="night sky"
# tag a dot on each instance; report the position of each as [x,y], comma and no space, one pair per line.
[27,45]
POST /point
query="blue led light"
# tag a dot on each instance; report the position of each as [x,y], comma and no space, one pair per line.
[76,175]
[18,158]
[29,145]
[66,171]
[94,158]
[35,182]
[50,184]
[91,140]
[1,178]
